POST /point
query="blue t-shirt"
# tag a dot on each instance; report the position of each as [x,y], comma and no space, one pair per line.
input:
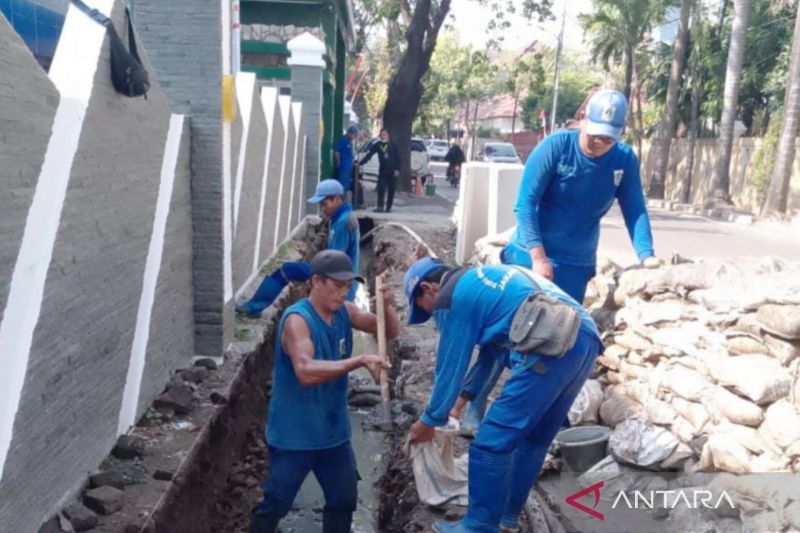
[345,236]
[564,194]
[315,417]
[483,304]
[344,172]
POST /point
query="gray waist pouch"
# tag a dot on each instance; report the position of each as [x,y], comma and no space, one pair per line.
[544,326]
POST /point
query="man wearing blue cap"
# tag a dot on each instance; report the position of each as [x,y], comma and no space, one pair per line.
[344,235]
[343,155]
[308,428]
[570,182]
[553,343]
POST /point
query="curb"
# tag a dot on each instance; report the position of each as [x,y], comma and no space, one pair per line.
[723,215]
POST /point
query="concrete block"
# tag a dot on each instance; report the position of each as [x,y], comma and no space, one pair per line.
[473,208]
[504,183]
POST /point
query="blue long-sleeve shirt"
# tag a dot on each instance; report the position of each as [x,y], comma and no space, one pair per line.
[344,171]
[564,194]
[483,304]
[345,236]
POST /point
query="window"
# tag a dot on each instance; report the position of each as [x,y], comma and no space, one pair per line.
[500,150]
[418,146]
[39,23]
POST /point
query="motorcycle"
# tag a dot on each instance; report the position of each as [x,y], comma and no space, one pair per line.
[454,175]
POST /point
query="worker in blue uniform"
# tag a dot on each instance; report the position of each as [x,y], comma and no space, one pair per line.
[484,306]
[308,428]
[570,182]
[344,235]
[344,157]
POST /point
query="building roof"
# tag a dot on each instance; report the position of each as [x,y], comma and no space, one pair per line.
[501,106]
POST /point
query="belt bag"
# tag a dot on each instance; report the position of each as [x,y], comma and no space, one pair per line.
[543,325]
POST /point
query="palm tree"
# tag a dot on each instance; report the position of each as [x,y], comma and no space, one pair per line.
[664,138]
[778,195]
[616,28]
[733,77]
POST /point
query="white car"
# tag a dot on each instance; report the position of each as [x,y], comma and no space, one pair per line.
[419,158]
[500,153]
[437,149]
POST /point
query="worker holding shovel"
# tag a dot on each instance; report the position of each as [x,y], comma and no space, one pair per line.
[308,428]
[553,343]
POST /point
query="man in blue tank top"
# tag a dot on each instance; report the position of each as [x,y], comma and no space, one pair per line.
[477,307]
[344,235]
[308,429]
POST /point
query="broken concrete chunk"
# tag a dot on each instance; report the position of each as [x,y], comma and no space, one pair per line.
[112,478]
[195,375]
[104,500]
[128,447]
[178,398]
[82,518]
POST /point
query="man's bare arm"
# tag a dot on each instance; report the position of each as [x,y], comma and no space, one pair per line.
[296,341]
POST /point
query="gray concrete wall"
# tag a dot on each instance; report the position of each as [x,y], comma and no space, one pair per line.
[28,107]
[172,323]
[244,238]
[187,60]
[283,224]
[307,88]
[274,160]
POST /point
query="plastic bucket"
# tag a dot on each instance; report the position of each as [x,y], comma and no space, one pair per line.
[583,447]
[430,190]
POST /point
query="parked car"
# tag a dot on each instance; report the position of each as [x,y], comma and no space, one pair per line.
[437,149]
[500,153]
[419,158]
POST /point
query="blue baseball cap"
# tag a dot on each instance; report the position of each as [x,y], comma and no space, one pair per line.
[606,114]
[353,129]
[326,188]
[416,274]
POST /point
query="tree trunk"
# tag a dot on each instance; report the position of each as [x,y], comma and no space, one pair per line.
[686,190]
[405,90]
[628,58]
[636,116]
[474,128]
[661,147]
[514,113]
[778,195]
[733,76]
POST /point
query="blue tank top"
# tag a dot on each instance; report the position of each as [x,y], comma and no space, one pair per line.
[315,417]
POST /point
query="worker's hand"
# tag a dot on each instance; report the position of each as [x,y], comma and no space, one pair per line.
[375,363]
[543,268]
[388,297]
[420,432]
[458,408]
[651,262]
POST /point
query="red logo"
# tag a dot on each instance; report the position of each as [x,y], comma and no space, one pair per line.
[573,500]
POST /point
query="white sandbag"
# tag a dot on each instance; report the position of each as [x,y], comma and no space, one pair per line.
[686,383]
[736,409]
[768,462]
[683,429]
[745,345]
[586,407]
[758,377]
[746,324]
[632,372]
[791,515]
[681,279]
[617,408]
[439,477]
[641,313]
[723,453]
[781,424]
[660,412]
[695,413]
[780,320]
[678,457]
[639,443]
[783,350]
[637,390]
[745,436]
[632,341]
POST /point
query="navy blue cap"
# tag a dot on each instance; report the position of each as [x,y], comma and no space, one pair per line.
[326,188]
[353,129]
[416,274]
[606,114]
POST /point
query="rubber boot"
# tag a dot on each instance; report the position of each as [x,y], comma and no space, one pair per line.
[489,479]
[336,521]
[263,524]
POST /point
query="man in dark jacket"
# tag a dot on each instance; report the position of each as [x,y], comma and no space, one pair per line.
[388,169]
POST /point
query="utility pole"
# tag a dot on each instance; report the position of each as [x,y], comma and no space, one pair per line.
[558,71]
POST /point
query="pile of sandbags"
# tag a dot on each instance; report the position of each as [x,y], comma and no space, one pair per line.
[705,357]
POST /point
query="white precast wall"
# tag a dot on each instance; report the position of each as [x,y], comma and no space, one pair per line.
[504,181]
[473,208]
